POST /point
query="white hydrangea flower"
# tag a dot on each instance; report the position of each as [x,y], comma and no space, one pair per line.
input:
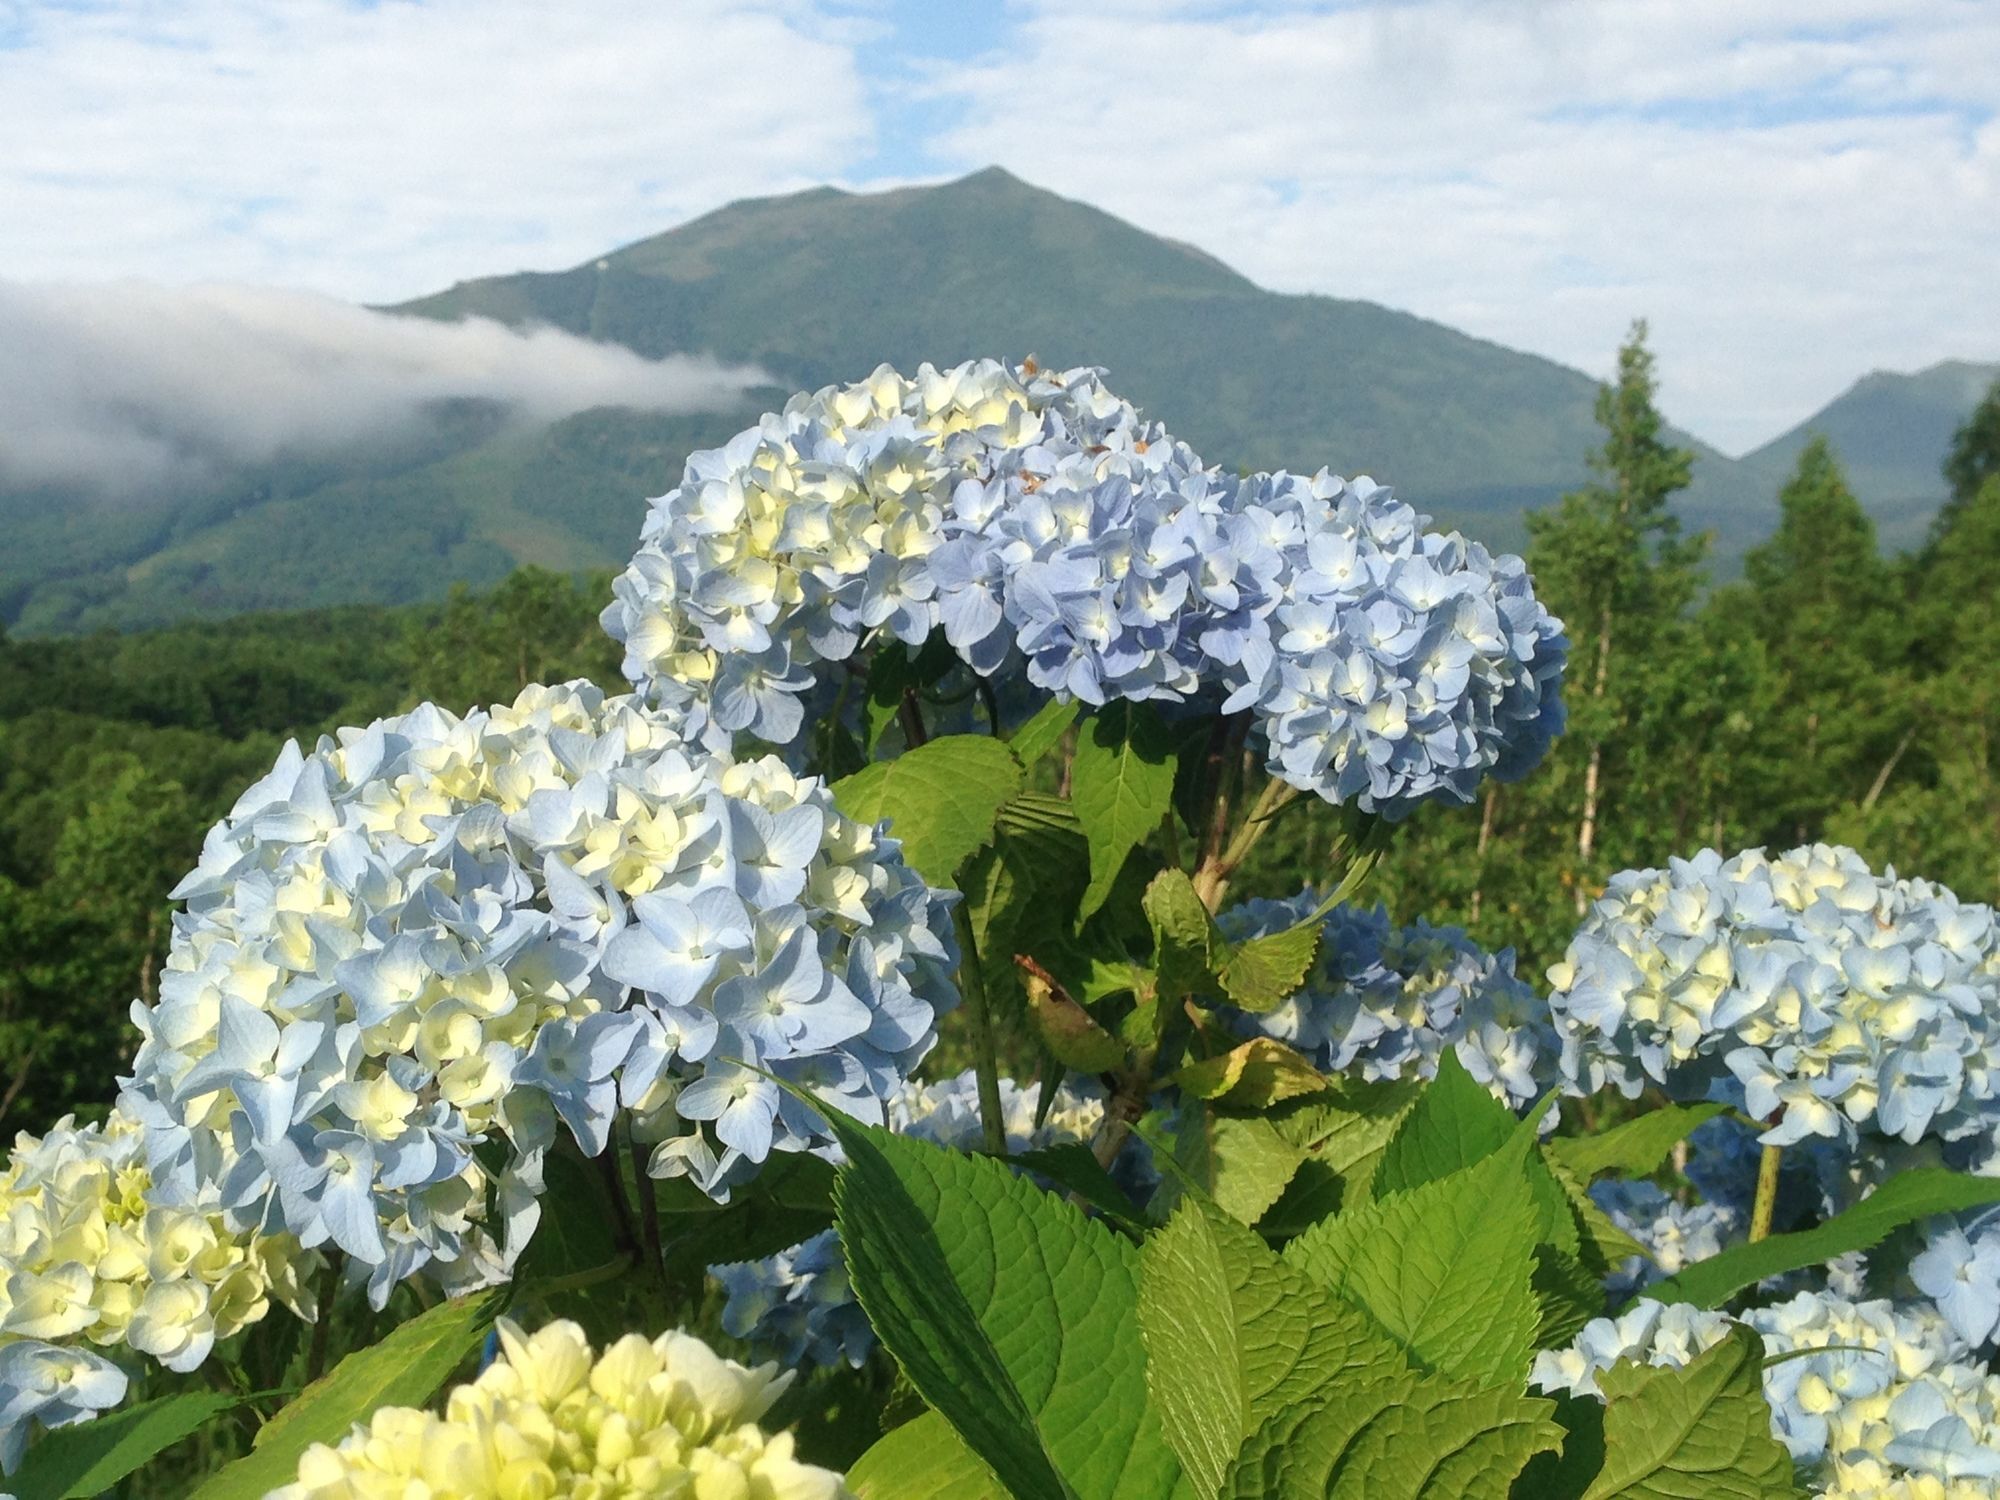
[87,1260]
[660,1417]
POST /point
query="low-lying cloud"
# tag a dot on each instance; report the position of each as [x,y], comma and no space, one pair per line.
[132,388]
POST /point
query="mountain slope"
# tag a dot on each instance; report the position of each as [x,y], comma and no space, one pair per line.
[1891,432]
[824,285]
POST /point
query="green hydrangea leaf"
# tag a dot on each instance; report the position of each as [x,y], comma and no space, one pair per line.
[922,1460]
[406,1368]
[1122,785]
[1637,1148]
[1261,973]
[1241,1162]
[1251,1075]
[1446,1267]
[1908,1196]
[940,799]
[1454,1124]
[1184,937]
[1393,1435]
[1011,1313]
[70,1463]
[1704,1430]
[1044,731]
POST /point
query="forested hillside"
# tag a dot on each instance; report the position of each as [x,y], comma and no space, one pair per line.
[1828,694]
[825,285]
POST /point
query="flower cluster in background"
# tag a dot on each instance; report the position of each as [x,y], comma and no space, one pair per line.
[666,1416]
[1894,1405]
[1674,1234]
[1033,519]
[436,931]
[1959,1270]
[1385,1001]
[86,1260]
[1815,994]
[796,1307]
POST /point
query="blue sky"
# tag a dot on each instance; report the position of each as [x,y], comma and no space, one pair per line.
[1793,191]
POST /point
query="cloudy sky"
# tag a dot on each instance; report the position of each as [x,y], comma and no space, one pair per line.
[1793,191]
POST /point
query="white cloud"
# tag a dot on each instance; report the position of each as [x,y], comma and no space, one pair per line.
[1793,192]
[134,389]
[378,151]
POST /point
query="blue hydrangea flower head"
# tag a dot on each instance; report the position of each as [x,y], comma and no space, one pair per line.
[1385,1001]
[1814,994]
[435,931]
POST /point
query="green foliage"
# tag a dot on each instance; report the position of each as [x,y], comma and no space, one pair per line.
[1919,1193]
[1122,788]
[1703,1430]
[1636,1148]
[406,1368]
[941,799]
[88,1459]
[1009,1311]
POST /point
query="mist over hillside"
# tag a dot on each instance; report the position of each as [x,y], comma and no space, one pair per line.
[541,444]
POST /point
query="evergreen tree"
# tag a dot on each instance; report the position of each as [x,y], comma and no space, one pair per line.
[1821,599]
[1611,560]
[1974,456]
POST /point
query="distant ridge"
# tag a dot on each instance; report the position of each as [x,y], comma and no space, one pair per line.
[824,285]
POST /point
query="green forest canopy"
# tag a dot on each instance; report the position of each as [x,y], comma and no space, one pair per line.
[1828,694]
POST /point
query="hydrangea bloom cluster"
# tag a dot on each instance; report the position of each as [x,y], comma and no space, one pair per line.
[1406,665]
[1959,1270]
[1675,1234]
[1034,519]
[1819,996]
[435,931]
[666,1416]
[797,1307]
[1385,1001]
[1893,1401]
[85,1259]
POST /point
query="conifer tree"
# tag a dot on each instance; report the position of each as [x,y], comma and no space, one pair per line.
[1611,560]
[1821,599]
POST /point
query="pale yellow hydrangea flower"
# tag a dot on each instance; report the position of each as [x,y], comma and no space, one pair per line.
[660,1419]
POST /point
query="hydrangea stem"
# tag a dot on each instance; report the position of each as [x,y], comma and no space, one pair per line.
[1766,1203]
[985,1055]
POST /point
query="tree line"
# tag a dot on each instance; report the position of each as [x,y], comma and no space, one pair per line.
[1830,693]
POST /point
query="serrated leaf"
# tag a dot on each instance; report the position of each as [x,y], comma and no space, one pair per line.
[1903,1199]
[1262,973]
[1454,1124]
[1121,785]
[406,1368]
[1395,1437]
[1342,1134]
[1446,1267]
[1193,1368]
[1251,1075]
[1602,1245]
[1072,1165]
[1044,731]
[922,1460]
[92,1456]
[1239,1161]
[1567,1292]
[1009,1310]
[1636,1148]
[1704,1430]
[790,1201]
[1184,937]
[1021,890]
[940,799]
[1064,1027]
